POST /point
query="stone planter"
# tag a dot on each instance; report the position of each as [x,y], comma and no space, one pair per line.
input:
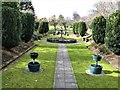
[34,67]
[95,69]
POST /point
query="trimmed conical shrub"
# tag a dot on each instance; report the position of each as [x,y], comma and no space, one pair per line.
[10,27]
[98,29]
[46,27]
[82,28]
[112,33]
[27,27]
[43,27]
[74,28]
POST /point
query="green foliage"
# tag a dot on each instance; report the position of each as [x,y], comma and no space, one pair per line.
[75,28]
[98,29]
[41,30]
[11,4]
[61,17]
[46,27]
[79,28]
[36,25]
[82,28]
[10,27]
[27,26]
[26,5]
[112,33]
[43,27]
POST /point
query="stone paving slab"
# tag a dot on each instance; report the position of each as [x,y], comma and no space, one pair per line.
[64,75]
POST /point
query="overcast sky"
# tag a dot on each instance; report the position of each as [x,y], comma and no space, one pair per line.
[48,8]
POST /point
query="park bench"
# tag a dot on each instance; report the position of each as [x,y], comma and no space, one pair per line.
[87,38]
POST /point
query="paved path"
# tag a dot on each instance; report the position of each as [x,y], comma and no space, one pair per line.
[64,75]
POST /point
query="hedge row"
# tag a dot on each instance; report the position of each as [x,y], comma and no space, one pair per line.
[15,25]
[108,31]
[112,33]
[79,28]
[10,31]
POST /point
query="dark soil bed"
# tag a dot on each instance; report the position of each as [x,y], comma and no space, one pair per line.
[8,55]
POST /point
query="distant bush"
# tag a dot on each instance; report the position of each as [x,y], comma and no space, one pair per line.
[112,33]
[10,27]
[74,28]
[98,29]
[82,28]
[27,27]
[46,27]
[43,27]
[36,25]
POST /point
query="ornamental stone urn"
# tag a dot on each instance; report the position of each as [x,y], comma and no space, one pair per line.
[95,68]
[34,66]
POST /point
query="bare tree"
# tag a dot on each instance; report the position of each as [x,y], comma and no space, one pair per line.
[104,8]
[53,21]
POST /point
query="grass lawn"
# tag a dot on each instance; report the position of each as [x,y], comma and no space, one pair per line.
[17,75]
[81,58]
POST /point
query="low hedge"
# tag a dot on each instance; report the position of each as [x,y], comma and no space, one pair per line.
[66,40]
